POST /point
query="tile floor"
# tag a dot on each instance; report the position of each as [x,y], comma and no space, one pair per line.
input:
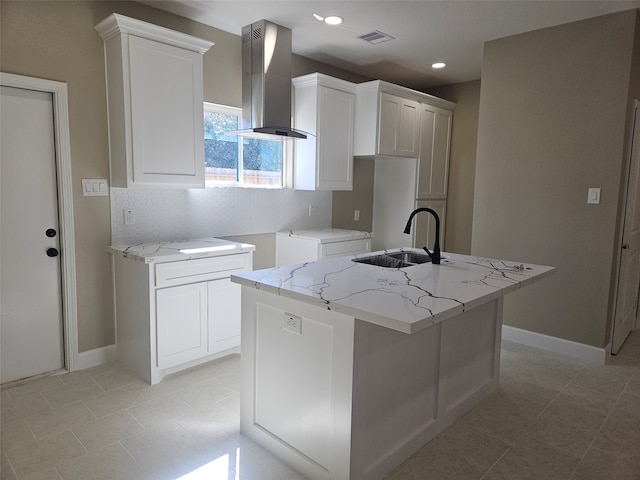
[553,417]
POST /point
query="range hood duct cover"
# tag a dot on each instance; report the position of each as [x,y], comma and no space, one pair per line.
[266,81]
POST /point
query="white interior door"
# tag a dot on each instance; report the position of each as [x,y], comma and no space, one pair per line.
[31,333]
[629,272]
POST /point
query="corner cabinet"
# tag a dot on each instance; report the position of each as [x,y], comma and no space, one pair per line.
[325,108]
[176,314]
[154,100]
[409,135]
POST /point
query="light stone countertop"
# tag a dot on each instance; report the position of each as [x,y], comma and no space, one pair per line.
[327,235]
[406,299]
[180,250]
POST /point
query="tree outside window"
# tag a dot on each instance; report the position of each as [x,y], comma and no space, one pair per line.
[261,162]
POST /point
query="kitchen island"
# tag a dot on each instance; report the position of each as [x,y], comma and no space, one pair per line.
[349,368]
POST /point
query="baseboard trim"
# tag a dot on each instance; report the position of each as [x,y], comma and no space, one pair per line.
[97,356]
[555,344]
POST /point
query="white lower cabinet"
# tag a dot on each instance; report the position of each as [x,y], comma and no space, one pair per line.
[312,245]
[224,327]
[174,315]
[196,320]
[182,324]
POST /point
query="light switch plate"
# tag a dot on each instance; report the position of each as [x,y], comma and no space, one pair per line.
[593,197]
[95,187]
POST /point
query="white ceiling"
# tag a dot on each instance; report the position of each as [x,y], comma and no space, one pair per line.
[425,31]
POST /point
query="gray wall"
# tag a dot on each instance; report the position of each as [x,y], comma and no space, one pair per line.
[553,111]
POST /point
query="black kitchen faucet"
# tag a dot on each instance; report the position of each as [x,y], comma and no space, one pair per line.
[435,255]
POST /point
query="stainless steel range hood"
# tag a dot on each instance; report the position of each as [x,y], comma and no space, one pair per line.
[266,81]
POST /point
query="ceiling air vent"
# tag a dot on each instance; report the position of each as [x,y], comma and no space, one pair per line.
[376,37]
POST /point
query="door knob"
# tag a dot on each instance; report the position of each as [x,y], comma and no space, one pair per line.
[625,246]
[52,252]
[50,232]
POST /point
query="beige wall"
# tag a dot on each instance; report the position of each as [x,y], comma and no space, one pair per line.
[462,163]
[553,108]
[360,198]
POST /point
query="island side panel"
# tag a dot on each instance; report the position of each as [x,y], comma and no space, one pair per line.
[395,396]
[296,369]
[407,388]
[470,362]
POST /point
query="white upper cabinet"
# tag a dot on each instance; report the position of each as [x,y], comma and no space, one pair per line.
[390,119]
[325,108]
[154,98]
[398,126]
[435,139]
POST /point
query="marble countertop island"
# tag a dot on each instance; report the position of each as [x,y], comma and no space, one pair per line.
[180,250]
[405,299]
[375,361]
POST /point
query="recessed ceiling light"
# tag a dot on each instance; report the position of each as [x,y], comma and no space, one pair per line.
[333,20]
[330,20]
[438,65]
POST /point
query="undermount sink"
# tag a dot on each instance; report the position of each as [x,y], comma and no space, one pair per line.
[411,258]
[394,260]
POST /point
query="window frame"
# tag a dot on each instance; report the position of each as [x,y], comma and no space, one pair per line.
[287,153]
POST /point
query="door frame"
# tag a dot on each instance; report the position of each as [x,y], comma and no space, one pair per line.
[62,147]
[635,105]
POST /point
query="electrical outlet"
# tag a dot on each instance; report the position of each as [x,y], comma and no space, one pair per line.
[129,217]
[293,323]
[356,215]
[311,209]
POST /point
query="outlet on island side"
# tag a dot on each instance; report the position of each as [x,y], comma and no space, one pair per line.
[356,215]
[293,323]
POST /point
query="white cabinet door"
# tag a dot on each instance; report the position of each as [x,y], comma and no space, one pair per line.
[441,152]
[433,164]
[398,126]
[325,108]
[424,225]
[166,112]
[224,314]
[335,139]
[181,323]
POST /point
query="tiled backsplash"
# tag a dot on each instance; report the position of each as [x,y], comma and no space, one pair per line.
[167,214]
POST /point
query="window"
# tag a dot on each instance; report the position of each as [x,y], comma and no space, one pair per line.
[233,160]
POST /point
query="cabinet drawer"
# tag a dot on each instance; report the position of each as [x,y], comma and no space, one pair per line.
[341,249]
[202,269]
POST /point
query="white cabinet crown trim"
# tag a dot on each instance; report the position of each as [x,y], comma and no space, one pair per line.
[313,79]
[385,87]
[115,23]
